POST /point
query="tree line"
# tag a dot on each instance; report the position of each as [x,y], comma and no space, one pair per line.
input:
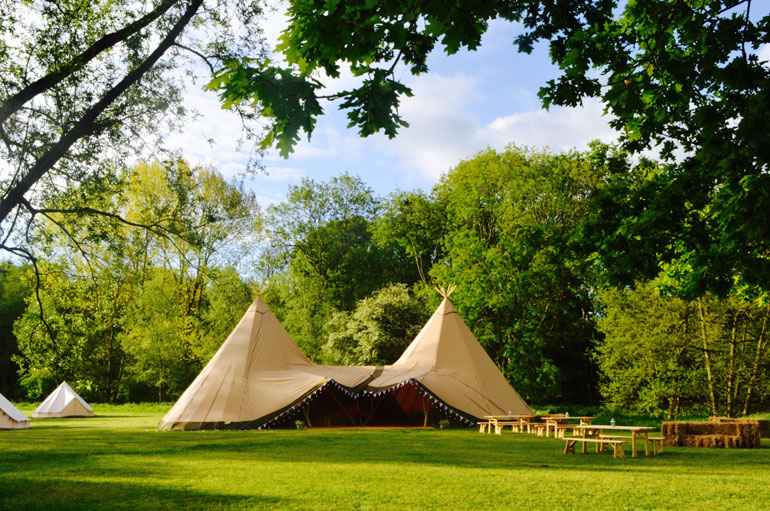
[125,312]
[351,275]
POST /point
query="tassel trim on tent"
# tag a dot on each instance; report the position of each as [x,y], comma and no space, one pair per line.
[296,409]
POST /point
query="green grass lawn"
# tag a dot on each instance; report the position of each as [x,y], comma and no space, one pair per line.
[119,461]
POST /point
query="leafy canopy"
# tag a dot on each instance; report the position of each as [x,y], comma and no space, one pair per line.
[682,77]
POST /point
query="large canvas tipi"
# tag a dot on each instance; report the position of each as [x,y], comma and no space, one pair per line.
[447,359]
[256,373]
[63,402]
[10,416]
[260,378]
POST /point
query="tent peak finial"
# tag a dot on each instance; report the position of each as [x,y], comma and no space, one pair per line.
[446,292]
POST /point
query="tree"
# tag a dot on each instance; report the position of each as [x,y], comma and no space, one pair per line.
[14,290]
[416,224]
[666,355]
[683,77]
[159,336]
[377,331]
[85,84]
[646,360]
[526,294]
[131,315]
[85,316]
[322,255]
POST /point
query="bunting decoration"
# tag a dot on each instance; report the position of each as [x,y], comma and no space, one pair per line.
[294,411]
[259,378]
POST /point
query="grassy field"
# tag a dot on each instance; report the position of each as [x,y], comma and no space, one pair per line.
[119,461]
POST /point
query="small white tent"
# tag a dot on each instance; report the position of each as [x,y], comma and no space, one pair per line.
[63,402]
[10,416]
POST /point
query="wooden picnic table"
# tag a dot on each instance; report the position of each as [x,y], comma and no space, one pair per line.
[551,422]
[494,420]
[554,422]
[636,431]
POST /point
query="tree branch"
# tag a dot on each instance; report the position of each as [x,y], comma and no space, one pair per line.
[195,52]
[156,228]
[86,210]
[87,122]
[26,254]
[13,103]
[68,234]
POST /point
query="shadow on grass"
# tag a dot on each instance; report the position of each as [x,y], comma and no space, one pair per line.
[43,449]
[63,494]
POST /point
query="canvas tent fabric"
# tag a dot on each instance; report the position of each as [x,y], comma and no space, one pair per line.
[259,374]
[447,359]
[63,402]
[10,416]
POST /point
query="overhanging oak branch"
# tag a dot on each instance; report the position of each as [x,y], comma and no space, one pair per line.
[15,102]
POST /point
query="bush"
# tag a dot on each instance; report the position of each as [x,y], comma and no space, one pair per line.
[377,331]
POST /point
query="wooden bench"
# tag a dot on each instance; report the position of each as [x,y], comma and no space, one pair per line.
[611,438]
[653,445]
[617,445]
[656,444]
[485,426]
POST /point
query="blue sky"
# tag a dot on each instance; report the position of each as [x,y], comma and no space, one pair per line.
[466,103]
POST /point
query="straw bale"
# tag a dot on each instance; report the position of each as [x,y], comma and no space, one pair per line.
[732,434]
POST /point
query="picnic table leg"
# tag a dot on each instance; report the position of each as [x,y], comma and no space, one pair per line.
[633,444]
[646,445]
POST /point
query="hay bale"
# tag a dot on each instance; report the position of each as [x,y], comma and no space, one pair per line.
[727,434]
[764,424]
[764,428]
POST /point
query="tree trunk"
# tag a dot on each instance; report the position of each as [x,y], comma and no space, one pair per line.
[87,124]
[759,351]
[707,359]
[730,376]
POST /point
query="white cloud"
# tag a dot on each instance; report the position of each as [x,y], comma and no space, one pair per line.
[274,21]
[213,137]
[444,128]
[558,129]
[441,130]
[282,174]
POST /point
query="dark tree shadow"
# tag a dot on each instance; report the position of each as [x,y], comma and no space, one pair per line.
[67,494]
